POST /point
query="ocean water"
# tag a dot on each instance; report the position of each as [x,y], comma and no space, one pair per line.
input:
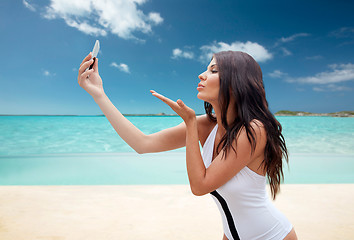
[24,135]
[55,150]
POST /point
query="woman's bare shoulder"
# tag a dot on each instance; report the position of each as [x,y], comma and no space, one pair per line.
[258,128]
[205,126]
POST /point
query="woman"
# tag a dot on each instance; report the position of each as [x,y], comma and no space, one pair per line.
[241,139]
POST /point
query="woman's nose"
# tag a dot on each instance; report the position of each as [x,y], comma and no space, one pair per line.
[202,77]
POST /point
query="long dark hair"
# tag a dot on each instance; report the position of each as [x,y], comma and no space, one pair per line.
[241,79]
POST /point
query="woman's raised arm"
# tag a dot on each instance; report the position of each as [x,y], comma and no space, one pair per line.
[167,139]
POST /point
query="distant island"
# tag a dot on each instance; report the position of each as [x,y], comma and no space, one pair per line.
[301,113]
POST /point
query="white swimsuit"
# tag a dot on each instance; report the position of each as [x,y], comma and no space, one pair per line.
[246,210]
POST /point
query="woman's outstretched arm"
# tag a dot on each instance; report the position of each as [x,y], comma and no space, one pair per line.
[164,140]
[167,139]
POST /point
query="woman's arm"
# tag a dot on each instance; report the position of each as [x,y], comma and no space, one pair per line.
[205,180]
[164,140]
[222,169]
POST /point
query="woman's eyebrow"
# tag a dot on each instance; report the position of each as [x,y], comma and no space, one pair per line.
[212,66]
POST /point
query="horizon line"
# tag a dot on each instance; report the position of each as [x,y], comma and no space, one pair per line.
[162,114]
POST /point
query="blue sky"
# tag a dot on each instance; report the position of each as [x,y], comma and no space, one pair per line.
[305,50]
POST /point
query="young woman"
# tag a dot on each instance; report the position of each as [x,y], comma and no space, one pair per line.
[242,143]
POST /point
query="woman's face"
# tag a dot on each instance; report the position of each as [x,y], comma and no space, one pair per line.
[208,87]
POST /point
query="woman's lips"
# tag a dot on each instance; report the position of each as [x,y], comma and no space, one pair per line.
[200,86]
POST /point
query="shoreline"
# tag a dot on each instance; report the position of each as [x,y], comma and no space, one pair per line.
[130,168]
[317,211]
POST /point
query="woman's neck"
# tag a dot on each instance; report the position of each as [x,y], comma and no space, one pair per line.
[231,114]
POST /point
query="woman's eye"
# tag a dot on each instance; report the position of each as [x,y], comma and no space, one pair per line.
[214,71]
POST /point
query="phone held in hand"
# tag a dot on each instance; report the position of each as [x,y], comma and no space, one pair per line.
[95,51]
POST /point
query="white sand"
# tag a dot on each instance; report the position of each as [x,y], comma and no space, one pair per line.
[159,212]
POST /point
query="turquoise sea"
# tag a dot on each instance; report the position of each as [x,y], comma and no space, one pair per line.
[85,150]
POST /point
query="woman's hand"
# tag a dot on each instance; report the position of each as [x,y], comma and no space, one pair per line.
[90,80]
[186,113]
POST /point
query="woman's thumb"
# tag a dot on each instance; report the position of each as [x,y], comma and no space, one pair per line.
[180,103]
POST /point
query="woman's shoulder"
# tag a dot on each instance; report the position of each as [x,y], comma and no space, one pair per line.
[258,128]
[257,123]
[205,126]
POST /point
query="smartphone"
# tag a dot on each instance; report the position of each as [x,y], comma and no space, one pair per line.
[95,51]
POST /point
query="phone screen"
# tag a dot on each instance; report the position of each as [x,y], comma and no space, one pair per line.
[95,51]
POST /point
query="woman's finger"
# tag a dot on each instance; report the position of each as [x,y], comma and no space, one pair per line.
[88,57]
[162,98]
[84,75]
[179,107]
[173,105]
[84,66]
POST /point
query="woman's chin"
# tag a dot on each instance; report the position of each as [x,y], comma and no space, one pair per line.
[203,97]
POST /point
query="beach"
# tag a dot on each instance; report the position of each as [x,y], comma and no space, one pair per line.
[79,181]
[317,211]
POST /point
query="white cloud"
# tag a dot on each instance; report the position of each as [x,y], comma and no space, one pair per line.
[258,52]
[178,53]
[289,39]
[46,73]
[29,6]
[155,17]
[331,88]
[317,57]
[86,28]
[286,52]
[122,67]
[338,73]
[293,37]
[119,17]
[277,74]
[344,32]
